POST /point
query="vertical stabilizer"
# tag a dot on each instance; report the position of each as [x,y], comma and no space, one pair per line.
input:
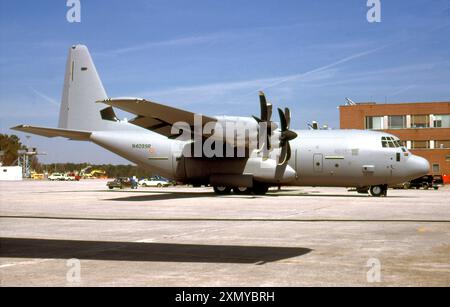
[82,88]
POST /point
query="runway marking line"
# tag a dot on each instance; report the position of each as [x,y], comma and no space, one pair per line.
[175,219]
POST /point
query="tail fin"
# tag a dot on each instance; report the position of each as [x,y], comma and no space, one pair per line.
[82,88]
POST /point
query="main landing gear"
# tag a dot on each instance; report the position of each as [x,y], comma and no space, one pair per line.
[258,189]
[378,190]
[222,190]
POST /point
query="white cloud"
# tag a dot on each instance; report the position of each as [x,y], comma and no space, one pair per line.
[236,92]
[167,43]
[46,98]
[196,39]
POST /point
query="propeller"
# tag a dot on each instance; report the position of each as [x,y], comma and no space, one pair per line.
[285,136]
[266,115]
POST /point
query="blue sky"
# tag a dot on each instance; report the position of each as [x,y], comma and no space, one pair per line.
[213,57]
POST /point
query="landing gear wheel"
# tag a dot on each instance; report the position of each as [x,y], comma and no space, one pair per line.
[222,190]
[241,190]
[260,189]
[378,190]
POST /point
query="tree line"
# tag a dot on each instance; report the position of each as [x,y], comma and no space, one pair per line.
[11,144]
[112,171]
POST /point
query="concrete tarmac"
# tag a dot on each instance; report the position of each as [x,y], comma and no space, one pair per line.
[182,236]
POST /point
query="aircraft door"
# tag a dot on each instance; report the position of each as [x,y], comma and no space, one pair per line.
[395,163]
[318,163]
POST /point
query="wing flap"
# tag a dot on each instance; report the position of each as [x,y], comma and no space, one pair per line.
[156,111]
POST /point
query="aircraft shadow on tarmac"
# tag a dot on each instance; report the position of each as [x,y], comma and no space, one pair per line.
[152,195]
[133,251]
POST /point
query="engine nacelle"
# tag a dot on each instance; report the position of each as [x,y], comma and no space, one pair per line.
[269,171]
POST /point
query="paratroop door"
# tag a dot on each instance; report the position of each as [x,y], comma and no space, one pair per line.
[318,163]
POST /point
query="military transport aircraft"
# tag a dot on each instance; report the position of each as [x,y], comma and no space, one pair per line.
[171,142]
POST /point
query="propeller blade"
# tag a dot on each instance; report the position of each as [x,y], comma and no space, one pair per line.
[269,112]
[286,136]
[287,114]
[283,122]
[285,154]
[258,120]
[266,115]
[289,135]
[289,152]
[263,103]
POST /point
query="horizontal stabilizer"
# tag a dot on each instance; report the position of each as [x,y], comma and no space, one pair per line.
[54,132]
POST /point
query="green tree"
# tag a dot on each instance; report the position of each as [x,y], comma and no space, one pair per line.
[9,145]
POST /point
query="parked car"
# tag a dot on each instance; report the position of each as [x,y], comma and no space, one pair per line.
[154,182]
[119,183]
[57,177]
[424,182]
[73,177]
[438,180]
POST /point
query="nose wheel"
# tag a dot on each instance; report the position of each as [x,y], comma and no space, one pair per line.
[378,190]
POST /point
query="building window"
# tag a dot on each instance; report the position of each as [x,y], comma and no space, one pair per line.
[441,121]
[397,122]
[374,122]
[441,144]
[420,121]
[447,158]
[420,144]
[436,169]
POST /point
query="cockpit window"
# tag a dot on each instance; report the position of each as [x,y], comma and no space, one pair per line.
[390,142]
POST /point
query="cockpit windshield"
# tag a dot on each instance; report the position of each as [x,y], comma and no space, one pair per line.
[390,142]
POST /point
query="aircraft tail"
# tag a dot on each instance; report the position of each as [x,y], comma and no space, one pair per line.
[82,88]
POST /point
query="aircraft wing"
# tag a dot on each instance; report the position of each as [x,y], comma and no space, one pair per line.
[55,132]
[154,116]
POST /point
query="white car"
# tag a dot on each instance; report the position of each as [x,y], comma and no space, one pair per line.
[57,177]
[154,183]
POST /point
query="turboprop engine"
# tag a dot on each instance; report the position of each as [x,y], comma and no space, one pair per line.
[269,171]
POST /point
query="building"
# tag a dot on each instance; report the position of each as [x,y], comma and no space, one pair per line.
[423,127]
[10,173]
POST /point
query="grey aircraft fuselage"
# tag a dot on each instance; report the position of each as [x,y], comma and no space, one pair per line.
[348,158]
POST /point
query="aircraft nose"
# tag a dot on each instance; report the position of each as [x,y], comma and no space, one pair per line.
[418,166]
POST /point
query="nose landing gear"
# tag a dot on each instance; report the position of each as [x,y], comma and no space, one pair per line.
[379,190]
